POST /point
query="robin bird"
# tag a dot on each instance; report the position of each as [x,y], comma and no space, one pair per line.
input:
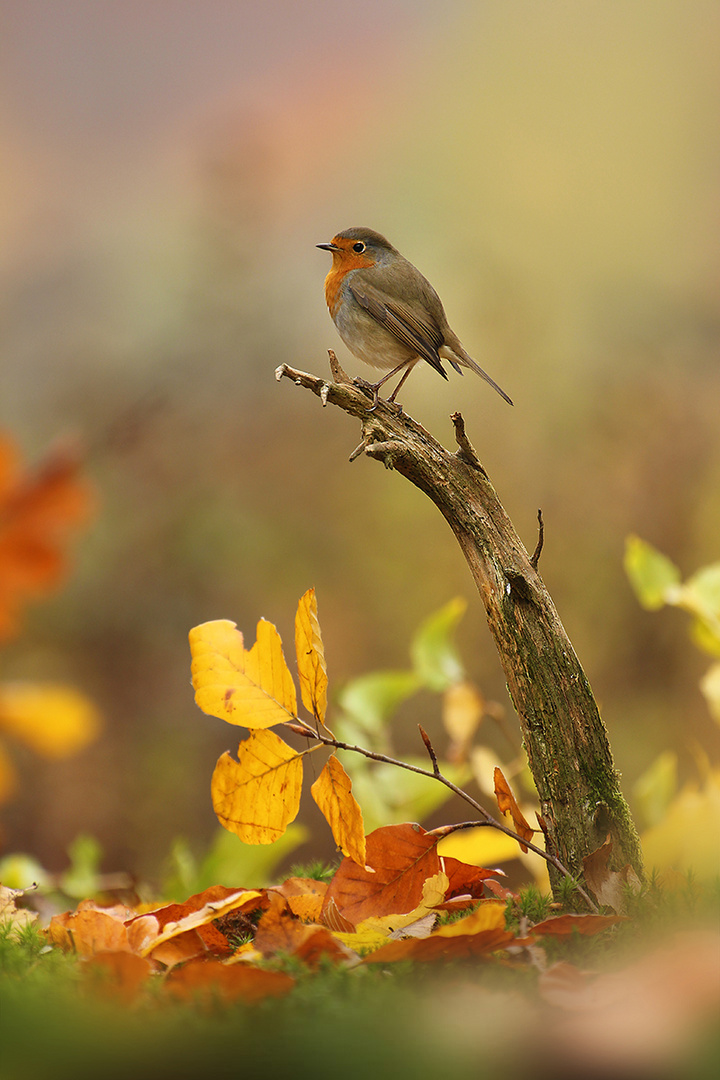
[387,313]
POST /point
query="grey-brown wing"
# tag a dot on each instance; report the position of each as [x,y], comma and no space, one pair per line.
[422,337]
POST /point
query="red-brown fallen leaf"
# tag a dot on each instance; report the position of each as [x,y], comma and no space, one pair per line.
[465,878]
[608,885]
[587,925]
[177,932]
[209,904]
[120,975]
[212,979]
[402,857]
[499,890]
[37,510]
[279,931]
[481,932]
[507,804]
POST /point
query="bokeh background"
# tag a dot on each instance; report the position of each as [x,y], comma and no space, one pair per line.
[167,169]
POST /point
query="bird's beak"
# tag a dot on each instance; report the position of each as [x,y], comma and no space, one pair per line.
[329,247]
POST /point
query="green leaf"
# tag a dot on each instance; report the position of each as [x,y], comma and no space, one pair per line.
[372,699]
[412,797]
[700,595]
[435,658]
[228,862]
[81,879]
[652,575]
[21,871]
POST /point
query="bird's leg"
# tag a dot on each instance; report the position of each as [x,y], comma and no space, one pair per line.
[405,375]
[375,387]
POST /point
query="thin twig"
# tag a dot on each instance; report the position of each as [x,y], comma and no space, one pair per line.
[488,819]
[430,750]
[541,540]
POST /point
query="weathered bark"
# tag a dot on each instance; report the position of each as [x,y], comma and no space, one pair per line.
[563,733]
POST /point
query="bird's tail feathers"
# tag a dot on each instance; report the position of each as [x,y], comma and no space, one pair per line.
[468,361]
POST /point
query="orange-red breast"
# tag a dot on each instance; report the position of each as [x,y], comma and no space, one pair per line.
[387,313]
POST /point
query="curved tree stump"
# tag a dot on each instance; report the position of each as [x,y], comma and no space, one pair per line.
[564,735]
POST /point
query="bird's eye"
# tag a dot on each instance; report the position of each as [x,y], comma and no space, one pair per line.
[358,247]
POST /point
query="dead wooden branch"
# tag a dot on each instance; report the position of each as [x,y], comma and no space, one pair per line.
[565,739]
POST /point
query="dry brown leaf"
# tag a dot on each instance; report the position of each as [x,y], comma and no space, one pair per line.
[402,857]
[587,925]
[12,919]
[332,791]
[312,668]
[609,885]
[508,805]
[279,931]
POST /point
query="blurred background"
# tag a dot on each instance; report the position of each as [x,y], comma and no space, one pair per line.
[166,171]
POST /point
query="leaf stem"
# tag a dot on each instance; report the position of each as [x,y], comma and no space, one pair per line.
[487,819]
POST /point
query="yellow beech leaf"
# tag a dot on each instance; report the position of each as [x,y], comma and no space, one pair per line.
[463,708]
[332,791]
[489,916]
[52,719]
[257,796]
[255,688]
[311,657]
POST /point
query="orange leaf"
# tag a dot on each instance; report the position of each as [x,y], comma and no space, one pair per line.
[467,879]
[121,974]
[507,804]
[304,896]
[401,857]
[235,983]
[255,688]
[89,930]
[311,657]
[279,931]
[37,510]
[257,796]
[332,791]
